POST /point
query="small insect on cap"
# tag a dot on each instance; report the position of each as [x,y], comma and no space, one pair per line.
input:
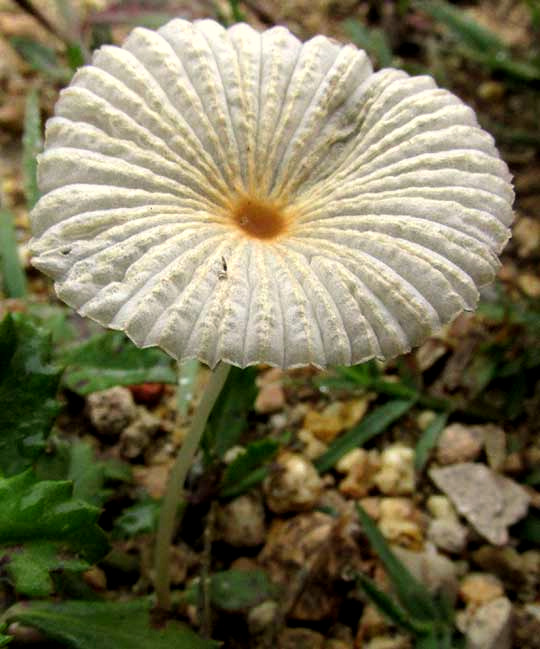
[240,196]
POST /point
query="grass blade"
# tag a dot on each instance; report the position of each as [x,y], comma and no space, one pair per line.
[413,596]
[428,440]
[374,424]
[32,145]
[388,606]
[13,277]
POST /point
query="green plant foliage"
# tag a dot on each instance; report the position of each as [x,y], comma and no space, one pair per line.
[428,440]
[428,618]
[28,386]
[11,273]
[140,518]
[528,529]
[41,58]
[235,590]
[372,425]
[478,43]
[43,529]
[228,419]
[248,469]
[75,460]
[111,359]
[32,145]
[107,625]
[55,319]
[4,639]
[373,41]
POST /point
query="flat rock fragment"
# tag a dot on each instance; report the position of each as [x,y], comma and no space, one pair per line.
[489,502]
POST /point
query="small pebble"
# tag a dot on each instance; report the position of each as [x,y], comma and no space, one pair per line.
[459,443]
[313,447]
[448,535]
[479,588]
[262,616]
[490,626]
[361,471]
[241,522]
[112,410]
[396,477]
[293,485]
[399,524]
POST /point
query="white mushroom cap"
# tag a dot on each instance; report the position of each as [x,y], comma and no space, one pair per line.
[241,196]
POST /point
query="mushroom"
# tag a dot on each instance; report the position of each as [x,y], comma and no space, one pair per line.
[240,197]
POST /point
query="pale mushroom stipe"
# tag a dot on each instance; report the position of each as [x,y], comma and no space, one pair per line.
[240,197]
[233,195]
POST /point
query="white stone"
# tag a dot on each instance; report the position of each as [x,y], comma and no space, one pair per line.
[396,476]
[490,626]
[490,502]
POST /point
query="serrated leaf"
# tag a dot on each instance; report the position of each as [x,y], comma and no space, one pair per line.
[28,386]
[245,471]
[29,566]
[42,528]
[107,625]
[11,272]
[373,424]
[235,590]
[111,359]
[229,417]
[32,145]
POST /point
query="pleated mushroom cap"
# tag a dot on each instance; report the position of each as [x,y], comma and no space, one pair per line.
[240,196]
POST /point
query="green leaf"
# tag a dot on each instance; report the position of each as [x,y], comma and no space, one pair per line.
[140,518]
[413,596]
[467,30]
[374,424]
[75,56]
[235,590]
[111,359]
[4,639]
[75,460]
[478,43]
[229,417]
[388,606]
[245,471]
[428,440]
[28,385]
[528,529]
[32,145]
[41,58]
[374,41]
[107,625]
[11,271]
[42,528]
[55,319]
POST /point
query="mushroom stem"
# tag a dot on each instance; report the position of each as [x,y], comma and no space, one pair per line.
[175,484]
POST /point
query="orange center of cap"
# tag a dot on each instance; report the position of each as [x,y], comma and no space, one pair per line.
[259,219]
